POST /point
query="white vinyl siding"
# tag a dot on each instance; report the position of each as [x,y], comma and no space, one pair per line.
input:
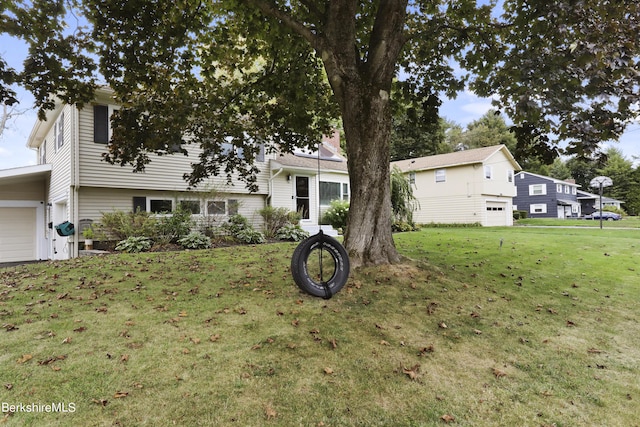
[163,173]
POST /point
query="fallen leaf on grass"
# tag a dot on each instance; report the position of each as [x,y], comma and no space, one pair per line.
[442,325]
[214,337]
[124,358]
[425,350]
[448,418]
[594,351]
[269,412]
[328,371]
[101,402]
[120,394]
[477,331]
[25,358]
[67,340]
[570,323]
[383,342]
[498,373]
[8,386]
[412,373]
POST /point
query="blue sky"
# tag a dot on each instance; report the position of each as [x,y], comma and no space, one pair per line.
[466,108]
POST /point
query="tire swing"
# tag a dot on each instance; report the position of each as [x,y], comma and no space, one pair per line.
[316,258]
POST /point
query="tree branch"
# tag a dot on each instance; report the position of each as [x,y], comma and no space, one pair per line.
[270,10]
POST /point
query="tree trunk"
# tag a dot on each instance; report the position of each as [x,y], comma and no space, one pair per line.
[367,125]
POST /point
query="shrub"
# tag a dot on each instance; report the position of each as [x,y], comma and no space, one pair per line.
[195,240]
[239,227]
[235,224]
[292,232]
[337,214]
[122,225]
[134,244]
[171,227]
[274,219]
[250,236]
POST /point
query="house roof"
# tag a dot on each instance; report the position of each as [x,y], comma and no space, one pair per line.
[21,175]
[330,160]
[554,180]
[457,158]
[584,195]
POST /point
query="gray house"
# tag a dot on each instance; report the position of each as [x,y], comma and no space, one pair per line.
[545,197]
[591,202]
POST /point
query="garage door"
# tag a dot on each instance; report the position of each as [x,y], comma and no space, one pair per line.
[17,234]
[496,214]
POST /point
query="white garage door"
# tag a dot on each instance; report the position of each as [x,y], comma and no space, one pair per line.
[496,214]
[17,234]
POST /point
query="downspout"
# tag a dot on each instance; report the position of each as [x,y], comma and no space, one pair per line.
[75,176]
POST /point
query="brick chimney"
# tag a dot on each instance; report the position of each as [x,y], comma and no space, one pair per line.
[332,142]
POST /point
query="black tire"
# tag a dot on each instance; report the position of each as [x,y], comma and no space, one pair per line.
[339,271]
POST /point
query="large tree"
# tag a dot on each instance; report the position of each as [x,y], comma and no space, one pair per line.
[278,71]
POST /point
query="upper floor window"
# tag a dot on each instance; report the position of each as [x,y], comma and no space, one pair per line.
[559,188]
[412,178]
[574,190]
[43,152]
[488,172]
[537,189]
[509,176]
[566,189]
[58,132]
[100,124]
[441,175]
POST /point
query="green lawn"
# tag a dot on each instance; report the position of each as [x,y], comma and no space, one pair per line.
[626,222]
[479,327]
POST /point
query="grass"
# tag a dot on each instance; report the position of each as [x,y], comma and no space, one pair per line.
[482,327]
[626,222]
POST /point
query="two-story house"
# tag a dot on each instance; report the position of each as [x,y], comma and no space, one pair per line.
[72,183]
[545,197]
[464,187]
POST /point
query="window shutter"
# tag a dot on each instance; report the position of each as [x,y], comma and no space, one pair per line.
[101,124]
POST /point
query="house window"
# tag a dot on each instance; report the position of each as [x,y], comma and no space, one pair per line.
[160,206]
[233,206]
[100,124]
[540,208]
[43,152]
[441,175]
[488,172]
[345,191]
[412,178]
[509,176]
[217,207]
[58,132]
[537,189]
[329,191]
[559,188]
[573,190]
[192,206]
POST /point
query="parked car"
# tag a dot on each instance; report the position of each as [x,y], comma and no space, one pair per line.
[608,216]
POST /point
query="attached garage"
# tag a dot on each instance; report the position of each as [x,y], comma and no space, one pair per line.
[498,214]
[18,238]
[22,213]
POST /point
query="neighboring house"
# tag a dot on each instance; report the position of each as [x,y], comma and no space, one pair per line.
[464,187]
[545,197]
[72,183]
[591,202]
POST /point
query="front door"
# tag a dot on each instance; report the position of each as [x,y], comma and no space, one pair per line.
[302,196]
[60,243]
